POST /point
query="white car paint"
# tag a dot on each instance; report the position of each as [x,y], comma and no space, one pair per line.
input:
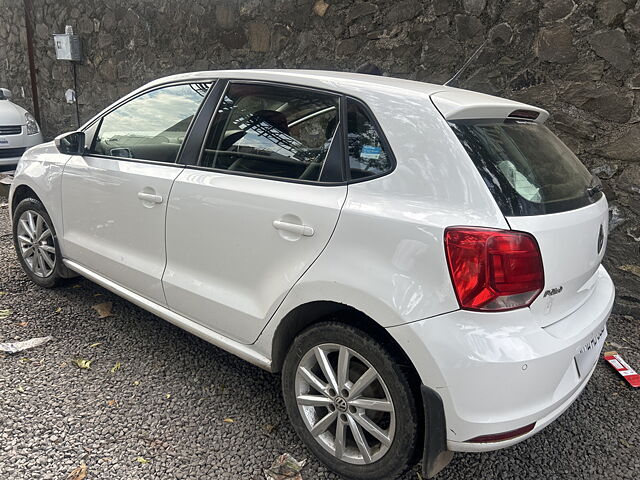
[233,292]
[123,238]
[12,115]
[379,248]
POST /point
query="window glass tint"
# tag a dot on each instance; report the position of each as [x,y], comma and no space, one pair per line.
[272,130]
[527,168]
[367,155]
[151,126]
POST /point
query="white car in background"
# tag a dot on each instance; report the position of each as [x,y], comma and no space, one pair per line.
[422,264]
[18,130]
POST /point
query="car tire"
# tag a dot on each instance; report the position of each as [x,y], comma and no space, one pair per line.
[31,218]
[310,410]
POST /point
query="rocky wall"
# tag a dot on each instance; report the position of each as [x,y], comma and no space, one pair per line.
[577,58]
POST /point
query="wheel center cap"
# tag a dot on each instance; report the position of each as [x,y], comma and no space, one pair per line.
[341,404]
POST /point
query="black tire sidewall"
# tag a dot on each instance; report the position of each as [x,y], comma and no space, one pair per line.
[35,205]
[406,439]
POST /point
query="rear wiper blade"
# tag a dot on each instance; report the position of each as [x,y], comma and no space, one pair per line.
[595,186]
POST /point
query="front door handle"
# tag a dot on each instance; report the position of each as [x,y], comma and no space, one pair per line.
[304,230]
[150,197]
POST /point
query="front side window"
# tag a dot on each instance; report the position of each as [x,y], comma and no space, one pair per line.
[272,130]
[152,126]
[367,154]
[527,168]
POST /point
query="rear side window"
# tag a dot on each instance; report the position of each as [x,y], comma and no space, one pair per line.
[151,126]
[527,168]
[272,130]
[367,154]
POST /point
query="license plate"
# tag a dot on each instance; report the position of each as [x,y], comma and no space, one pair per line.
[589,351]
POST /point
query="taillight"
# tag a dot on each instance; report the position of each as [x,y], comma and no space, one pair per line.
[493,270]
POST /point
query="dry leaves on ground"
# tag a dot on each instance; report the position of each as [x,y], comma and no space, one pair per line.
[83,363]
[103,309]
[78,473]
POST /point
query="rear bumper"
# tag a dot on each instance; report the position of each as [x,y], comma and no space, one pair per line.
[500,372]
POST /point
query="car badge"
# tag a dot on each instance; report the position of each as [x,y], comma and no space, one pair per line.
[3,141]
[600,239]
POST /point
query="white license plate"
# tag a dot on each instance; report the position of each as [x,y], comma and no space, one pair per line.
[589,351]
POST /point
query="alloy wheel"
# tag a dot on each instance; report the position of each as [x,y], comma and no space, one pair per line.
[36,243]
[345,404]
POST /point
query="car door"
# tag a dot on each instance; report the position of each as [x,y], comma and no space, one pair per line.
[246,222]
[114,198]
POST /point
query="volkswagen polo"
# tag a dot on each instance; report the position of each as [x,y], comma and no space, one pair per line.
[421,264]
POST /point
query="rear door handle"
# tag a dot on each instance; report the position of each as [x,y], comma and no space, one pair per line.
[304,230]
[150,197]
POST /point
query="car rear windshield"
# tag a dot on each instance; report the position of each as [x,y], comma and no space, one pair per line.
[527,168]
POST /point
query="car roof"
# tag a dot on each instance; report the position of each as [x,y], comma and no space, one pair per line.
[314,78]
[453,103]
[458,102]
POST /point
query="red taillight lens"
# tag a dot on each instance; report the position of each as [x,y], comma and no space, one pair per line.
[493,269]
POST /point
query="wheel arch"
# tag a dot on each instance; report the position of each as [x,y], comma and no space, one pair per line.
[21,192]
[311,313]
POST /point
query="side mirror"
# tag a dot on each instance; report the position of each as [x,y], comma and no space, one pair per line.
[70,143]
[5,94]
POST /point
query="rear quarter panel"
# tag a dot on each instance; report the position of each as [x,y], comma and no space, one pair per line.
[386,257]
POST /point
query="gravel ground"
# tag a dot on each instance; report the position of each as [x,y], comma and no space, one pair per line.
[162,413]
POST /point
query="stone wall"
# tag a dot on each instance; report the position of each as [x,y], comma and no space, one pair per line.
[577,58]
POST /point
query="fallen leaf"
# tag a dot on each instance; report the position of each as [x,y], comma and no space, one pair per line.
[78,473]
[320,7]
[5,313]
[168,395]
[63,364]
[97,294]
[136,383]
[634,269]
[285,467]
[22,324]
[2,293]
[58,310]
[269,429]
[20,388]
[112,403]
[103,309]
[77,285]
[142,460]
[228,420]
[116,367]
[83,363]
[93,345]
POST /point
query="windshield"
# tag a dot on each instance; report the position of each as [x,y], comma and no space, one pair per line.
[527,168]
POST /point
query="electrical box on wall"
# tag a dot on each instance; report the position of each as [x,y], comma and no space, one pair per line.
[67,45]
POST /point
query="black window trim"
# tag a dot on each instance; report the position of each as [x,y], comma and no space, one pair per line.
[340,136]
[383,140]
[176,162]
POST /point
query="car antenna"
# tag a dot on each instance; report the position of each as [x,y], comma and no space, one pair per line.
[453,81]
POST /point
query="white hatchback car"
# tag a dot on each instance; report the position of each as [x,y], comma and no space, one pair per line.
[421,263]
[18,130]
